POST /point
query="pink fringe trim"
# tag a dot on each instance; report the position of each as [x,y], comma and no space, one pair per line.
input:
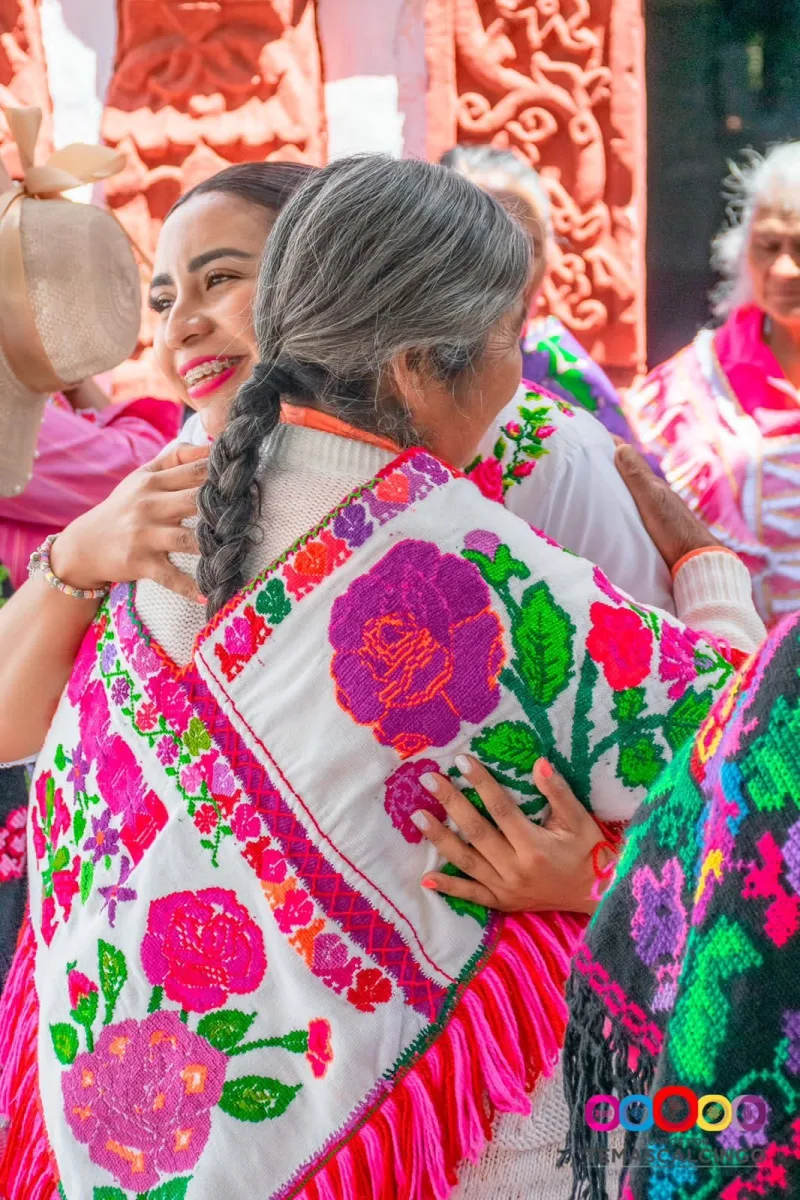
[26,1169]
[505,1032]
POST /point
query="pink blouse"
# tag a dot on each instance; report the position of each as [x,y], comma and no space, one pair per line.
[80,458]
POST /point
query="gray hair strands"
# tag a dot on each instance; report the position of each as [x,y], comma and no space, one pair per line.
[371,259]
[756,182]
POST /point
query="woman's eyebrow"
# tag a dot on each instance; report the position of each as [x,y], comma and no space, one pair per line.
[200,261]
[196,264]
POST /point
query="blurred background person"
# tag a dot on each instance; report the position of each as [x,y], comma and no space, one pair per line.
[722,416]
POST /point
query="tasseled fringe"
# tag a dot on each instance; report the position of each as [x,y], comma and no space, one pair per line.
[503,1035]
[26,1169]
[600,1058]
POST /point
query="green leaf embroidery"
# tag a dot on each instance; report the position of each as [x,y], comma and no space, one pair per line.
[49,802]
[685,717]
[173,1189]
[500,569]
[196,738]
[61,859]
[511,744]
[225,1029]
[87,879]
[542,636]
[156,996]
[113,973]
[767,766]
[628,704]
[640,762]
[273,603]
[295,1042]
[464,908]
[703,1011]
[78,825]
[60,758]
[108,1193]
[532,808]
[500,447]
[65,1042]
[257,1098]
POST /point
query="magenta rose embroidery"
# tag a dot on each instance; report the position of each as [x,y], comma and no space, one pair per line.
[487,474]
[417,648]
[405,795]
[201,947]
[142,1100]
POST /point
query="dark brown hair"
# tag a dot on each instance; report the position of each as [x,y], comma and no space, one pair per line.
[268,184]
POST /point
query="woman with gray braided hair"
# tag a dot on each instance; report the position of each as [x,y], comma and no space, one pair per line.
[226,839]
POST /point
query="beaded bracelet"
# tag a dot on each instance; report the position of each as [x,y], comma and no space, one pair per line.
[40,565]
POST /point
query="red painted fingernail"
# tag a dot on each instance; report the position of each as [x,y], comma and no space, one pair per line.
[429,884]
[545,770]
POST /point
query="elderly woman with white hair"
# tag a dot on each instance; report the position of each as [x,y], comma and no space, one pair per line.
[723,414]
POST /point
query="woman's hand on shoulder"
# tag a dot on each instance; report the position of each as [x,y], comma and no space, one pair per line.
[131,533]
[514,865]
[671,524]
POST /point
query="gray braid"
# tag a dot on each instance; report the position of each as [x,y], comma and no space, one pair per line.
[229,500]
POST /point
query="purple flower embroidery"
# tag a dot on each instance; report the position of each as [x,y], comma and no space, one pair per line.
[659,923]
[120,691]
[117,893]
[791,1030]
[104,840]
[79,769]
[108,657]
[352,525]
[331,964]
[417,648]
[430,467]
[482,541]
[791,857]
[405,795]
[141,1101]
[166,751]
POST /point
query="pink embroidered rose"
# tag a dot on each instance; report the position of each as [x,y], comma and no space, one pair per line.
[405,795]
[513,429]
[417,648]
[320,1050]
[677,659]
[523,469]
[331,962]
[84,663]
[545,431]
[65,886]
[246,823]
[170,700]
[488,476]
[621,644]
[48,919]
[141,1101]
[80,988]
[202,947]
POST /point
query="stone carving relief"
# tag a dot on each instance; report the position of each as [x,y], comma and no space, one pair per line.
[560,82]
[23,74]
[198,85]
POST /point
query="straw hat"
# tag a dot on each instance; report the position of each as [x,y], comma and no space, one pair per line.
[70,299]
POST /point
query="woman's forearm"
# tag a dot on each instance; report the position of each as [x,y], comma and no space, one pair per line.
[41,631]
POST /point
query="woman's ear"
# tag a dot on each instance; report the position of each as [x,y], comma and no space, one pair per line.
[409,375]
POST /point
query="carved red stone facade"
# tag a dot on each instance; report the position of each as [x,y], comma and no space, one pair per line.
[23,74]
[200,84]
[562,83]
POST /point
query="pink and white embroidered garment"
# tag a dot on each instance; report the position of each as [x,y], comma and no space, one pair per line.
[240,987]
